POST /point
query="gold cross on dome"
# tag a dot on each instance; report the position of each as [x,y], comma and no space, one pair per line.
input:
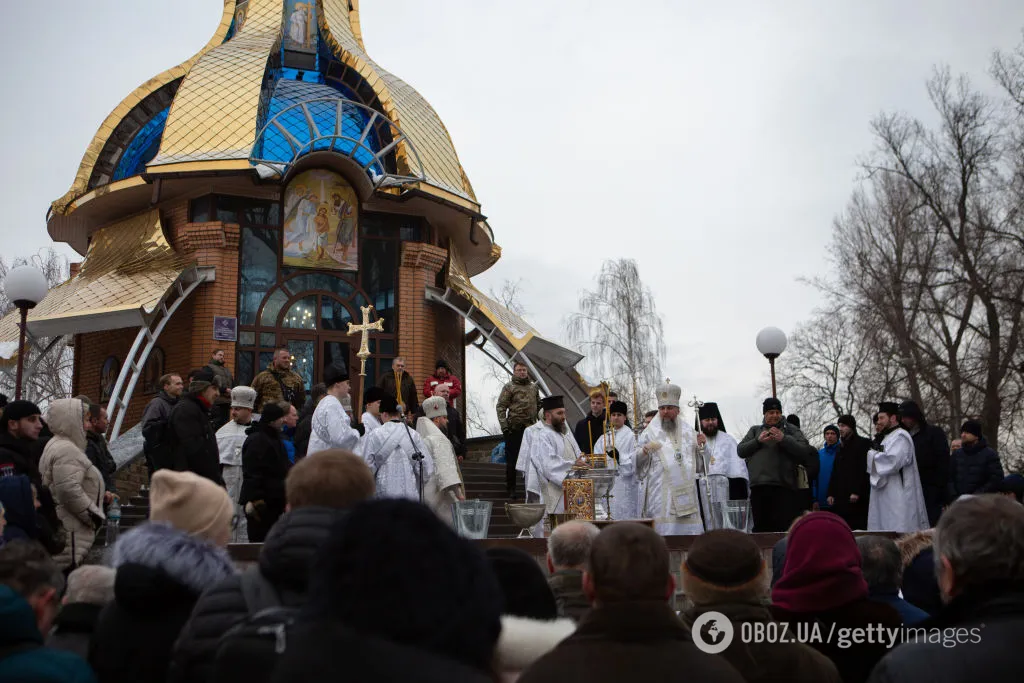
[364,329]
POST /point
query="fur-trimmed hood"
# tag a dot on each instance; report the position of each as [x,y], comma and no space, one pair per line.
[523,641]
[188,560]
[911,545]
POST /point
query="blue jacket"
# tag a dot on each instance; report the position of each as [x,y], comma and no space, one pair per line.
[911,615]
[22,655]
[826,458]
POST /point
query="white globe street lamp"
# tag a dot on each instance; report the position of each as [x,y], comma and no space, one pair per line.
[25,286]
[771,342]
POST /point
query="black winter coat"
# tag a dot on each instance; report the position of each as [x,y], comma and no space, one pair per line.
[161,572]
[588,431]
[984,629]
[98,452]
[265,464]
[932,450]
[285,561]
[850,477]
[639,642]
[192,439]
[303,430]
[317,648]
[74,627]
[975,469]
[17,456]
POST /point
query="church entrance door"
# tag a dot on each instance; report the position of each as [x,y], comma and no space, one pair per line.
[314,352]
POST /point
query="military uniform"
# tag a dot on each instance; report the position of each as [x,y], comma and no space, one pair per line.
[517,409]
[272,385]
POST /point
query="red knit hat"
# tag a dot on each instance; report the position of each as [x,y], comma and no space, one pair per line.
[822,567]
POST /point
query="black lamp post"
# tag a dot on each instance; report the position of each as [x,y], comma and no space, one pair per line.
[771,342]
[25,286]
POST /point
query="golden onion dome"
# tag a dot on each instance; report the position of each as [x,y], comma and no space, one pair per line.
[278,80]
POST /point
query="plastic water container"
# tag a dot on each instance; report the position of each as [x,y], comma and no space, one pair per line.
[472,518]
[113,522]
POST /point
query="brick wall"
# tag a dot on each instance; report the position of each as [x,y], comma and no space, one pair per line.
[417,319]
[210,244]
[92,350]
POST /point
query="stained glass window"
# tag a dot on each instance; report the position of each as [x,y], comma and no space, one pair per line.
[142,148]
[257,271]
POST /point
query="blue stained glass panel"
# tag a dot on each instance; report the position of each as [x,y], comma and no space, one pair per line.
[142,148]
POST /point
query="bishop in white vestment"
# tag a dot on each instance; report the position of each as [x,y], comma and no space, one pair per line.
[553,452]
[331,426]
[230,439]
[897,498]
[395,454]
[626,490]
[667,469]
[445,487]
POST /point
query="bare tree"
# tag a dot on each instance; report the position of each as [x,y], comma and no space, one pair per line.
[619,330]
[928,267]
[49,361]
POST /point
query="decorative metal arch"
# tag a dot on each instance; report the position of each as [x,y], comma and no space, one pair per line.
[135,364]
[327,141]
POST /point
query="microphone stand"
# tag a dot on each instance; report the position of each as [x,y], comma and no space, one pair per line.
[417,457]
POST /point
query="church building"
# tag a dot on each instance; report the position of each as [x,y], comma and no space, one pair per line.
[262,194]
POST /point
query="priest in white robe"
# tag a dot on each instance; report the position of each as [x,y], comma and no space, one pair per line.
[897,498]
[230,439]
[331,425]
[720,451]
[552,455]
[371,409]
[666,462]
[621,453]
[399,459]
[445,487]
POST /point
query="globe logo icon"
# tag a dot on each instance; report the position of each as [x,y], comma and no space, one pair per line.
[712,632]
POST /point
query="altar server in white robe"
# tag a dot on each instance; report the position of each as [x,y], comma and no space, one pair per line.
[523,463]
[626,490]
[230,439]
[897,498]
[395,454]
[445,487]
[553,452]
[721,451]
[331,425]
[371,409]
[666,462]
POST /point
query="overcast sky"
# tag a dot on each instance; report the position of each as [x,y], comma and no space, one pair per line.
[712,142]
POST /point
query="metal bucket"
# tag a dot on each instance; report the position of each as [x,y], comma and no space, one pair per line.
[472,518]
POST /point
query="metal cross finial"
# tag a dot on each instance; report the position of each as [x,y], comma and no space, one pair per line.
[696,403]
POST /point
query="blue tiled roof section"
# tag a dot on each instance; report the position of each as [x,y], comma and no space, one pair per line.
[142,148]
[280,145]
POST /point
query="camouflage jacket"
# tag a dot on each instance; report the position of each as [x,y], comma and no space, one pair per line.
[271,385]
[518,404]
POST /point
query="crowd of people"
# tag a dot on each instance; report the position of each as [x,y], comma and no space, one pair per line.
[899,480]
[349,584]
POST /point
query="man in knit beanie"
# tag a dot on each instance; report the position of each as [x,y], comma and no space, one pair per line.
[725,572]
[192,438]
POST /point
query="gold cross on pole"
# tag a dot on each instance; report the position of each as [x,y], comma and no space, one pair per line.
[364,348]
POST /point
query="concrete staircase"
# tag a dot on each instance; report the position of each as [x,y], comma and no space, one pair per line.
[484,481]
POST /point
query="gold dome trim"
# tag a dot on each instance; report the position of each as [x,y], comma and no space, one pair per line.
[106,129]
[215,111]
[406,108]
